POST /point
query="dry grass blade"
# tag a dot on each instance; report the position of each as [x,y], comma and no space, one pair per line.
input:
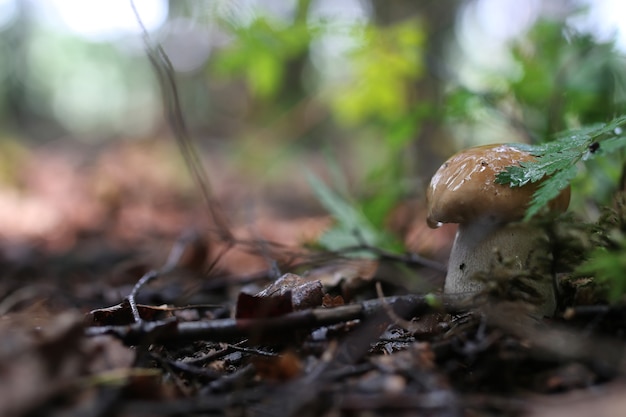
[165,75]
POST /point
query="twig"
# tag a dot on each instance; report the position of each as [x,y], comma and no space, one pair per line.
[234,329]
[177,251]
[165,75]
[407,258]
[253,351]
[405,324]
[187,367]
[232,382]
[213,356]
[592,311]
[149,276]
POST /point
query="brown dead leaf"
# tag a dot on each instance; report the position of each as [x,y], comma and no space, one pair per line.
[252,306]
[278,368]
[344,272]
[121,314]
[287,294]
[148,384]
[107,353]
[330,301]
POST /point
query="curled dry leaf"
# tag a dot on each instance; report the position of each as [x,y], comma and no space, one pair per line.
[121,314]
[287,294]
[330,301]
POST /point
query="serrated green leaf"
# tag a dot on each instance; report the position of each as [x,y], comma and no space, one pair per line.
[515,176]
[526,147]
[611,127]
[550,163]
[549,189]
[531,172]
[556,161]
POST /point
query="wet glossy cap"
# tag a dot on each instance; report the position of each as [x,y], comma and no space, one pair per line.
[464,189]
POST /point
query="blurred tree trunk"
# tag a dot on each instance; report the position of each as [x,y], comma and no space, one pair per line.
[432,143]
[292,88]
[17,36]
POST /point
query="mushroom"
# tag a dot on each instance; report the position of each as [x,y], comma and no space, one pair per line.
[464,191]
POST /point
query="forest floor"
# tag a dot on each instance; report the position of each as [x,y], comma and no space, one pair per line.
[118,299]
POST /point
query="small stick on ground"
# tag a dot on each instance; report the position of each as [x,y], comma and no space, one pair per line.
[235,329]
[177,251]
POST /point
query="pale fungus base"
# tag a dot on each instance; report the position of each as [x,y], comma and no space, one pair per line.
[525,247]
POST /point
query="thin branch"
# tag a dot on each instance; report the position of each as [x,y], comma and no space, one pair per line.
[234,329]
[410,259]
[132,297]
[177,251]
[165,74]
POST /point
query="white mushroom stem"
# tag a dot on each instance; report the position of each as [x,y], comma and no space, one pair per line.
[474,250]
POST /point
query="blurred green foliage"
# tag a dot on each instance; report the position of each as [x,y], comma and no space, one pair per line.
[261,52]
[606,262]
[352,231]
[607,268]
[568,79]
[371,98]
[562,80]
[384,63]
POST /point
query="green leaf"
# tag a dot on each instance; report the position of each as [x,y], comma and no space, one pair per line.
[607,267]
[384,62]
[563,77]
[549,189]
[514,175]
[548,164]
[352,227]
[261,51]
[433,301]
[556,161]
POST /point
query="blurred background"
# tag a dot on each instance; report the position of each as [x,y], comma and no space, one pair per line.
[368,95]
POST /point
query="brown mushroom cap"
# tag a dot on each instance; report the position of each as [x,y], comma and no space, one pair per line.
[464,189]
